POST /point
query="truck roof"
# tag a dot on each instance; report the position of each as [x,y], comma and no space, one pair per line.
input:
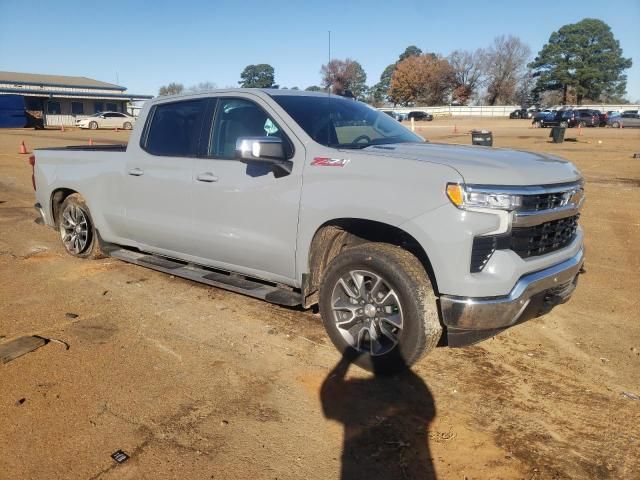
[273,92]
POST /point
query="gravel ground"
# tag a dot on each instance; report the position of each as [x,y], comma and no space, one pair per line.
[195,382]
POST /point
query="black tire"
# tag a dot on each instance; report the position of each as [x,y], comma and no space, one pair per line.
[615,125]
[582,124]
[405,275]
[564,124]
[93,125]
[537,124]
[90,247]
[127,126]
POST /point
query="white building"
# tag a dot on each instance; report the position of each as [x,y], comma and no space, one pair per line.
[60,100]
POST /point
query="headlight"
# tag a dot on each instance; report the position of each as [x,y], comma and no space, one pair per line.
[466,197]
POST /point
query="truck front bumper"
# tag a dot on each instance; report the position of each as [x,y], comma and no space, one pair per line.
[469,320]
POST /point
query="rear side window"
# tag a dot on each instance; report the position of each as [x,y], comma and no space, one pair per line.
[175,128]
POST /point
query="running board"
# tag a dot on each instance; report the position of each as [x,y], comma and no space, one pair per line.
[216,278]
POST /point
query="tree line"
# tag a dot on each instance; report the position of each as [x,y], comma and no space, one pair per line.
[580,62]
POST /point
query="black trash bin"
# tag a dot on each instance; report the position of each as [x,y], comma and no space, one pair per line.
[482,137]
[557,133]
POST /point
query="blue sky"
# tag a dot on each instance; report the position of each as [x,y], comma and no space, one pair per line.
[144,45]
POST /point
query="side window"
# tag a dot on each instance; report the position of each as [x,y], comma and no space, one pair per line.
[53,108]
[175,128]
[237,117]
[77,108]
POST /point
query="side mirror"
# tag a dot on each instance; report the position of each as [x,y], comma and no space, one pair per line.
[102,116]
[263,150]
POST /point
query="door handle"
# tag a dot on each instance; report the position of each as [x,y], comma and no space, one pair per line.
[207,177]
[136,172]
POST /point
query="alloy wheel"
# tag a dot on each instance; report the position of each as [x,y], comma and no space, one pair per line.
[367,312]
[74,229]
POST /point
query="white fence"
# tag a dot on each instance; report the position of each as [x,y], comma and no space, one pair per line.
[51,120]
[496,110]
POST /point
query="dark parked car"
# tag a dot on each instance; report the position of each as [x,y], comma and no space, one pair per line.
[520,113]
[568,118]
[540,115]
[587,118]
[420,115]
[625,120]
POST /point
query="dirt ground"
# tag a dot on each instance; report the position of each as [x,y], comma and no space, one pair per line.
[195,382]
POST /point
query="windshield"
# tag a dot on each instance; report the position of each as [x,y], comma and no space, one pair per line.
[341,123]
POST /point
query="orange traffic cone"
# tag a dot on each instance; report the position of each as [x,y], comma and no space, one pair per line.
[23,148]
[579,130]
[91,141]
[62,128]
[116,129]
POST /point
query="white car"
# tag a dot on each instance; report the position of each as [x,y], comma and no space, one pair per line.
[107,120]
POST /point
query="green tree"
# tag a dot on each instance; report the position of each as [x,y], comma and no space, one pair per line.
[585,58]
[313,88]
[410,51]
[343,75]
[171,89]
[257,76]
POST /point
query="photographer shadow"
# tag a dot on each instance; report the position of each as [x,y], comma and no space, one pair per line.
[386,419]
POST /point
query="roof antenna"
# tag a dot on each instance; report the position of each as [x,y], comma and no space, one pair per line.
[330,86]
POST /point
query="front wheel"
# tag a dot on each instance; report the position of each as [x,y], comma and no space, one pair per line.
[377,304]
[564,124]
[93,125]
[77,231]
[615,124]
[127,126]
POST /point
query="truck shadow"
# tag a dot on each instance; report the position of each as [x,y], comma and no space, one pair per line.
[385,418]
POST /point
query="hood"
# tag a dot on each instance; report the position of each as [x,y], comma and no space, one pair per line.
[486,165]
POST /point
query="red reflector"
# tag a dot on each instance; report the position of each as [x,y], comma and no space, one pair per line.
[329,162]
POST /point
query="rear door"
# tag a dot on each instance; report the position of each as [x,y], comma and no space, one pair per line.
[246,215]
[158,177]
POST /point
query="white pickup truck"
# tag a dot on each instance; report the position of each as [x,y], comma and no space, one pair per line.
[303,198]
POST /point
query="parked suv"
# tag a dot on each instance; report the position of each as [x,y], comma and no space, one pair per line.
[568,118]
[420,115]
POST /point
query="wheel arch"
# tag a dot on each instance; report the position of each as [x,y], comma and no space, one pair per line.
[334,235]
[58,196]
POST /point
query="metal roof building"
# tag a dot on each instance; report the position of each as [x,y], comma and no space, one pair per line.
[60,100]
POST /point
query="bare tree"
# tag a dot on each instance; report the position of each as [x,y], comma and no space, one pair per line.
[201,87]
[344,75]
[468,72]
[171,89]
[505,66]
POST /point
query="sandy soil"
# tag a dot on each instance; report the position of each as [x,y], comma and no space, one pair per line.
[195,382]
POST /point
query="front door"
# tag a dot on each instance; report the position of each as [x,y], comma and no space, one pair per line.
[158,178]
[246,215]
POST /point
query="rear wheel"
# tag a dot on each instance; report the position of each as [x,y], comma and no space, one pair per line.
[93,125]
[77,231]
[615,124]
[127,126]
[377,304]
[564,124]
[582,124]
